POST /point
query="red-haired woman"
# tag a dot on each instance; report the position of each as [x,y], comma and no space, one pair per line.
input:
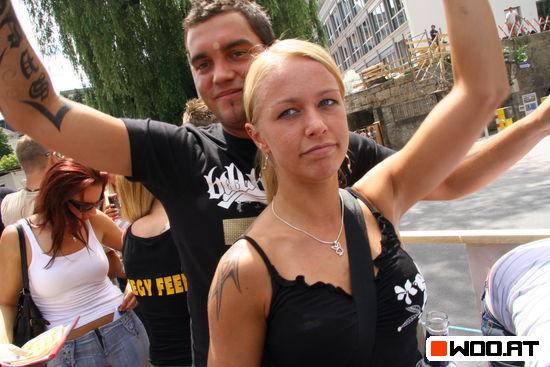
[68,269]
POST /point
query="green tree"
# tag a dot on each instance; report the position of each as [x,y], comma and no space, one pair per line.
[9,162]
[132,51]
[5,147]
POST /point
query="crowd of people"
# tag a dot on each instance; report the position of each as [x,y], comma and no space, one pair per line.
[235,263]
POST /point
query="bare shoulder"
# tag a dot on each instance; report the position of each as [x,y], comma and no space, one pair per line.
[9,245]
[241,277]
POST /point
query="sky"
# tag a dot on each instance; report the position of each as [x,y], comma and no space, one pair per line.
[61,71]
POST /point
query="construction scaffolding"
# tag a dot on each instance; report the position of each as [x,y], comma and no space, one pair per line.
[426,59]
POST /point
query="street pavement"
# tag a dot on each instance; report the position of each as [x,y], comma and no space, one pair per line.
[520,199]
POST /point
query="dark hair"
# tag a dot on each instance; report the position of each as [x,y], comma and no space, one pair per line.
[63,180]
[202,10]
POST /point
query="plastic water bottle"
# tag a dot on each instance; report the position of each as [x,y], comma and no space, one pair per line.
[436,323]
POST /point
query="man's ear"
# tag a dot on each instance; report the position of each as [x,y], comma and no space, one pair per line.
[255,136]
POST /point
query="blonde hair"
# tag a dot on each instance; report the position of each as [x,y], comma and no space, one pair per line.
[135,200]
[260,68]
[197,113]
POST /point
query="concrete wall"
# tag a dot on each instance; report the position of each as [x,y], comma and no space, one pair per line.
[422,13]
[536,78]
[400,105]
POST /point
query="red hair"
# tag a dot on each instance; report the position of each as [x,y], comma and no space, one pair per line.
[62,181]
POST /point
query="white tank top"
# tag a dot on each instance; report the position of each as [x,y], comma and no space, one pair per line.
[74,285]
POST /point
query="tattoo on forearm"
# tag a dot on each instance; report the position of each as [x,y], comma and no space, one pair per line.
[14,38]
[39,88]
[54,119]
[40,85]
[229,269]
[26,62]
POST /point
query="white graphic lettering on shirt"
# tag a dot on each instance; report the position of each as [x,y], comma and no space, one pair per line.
[232,186]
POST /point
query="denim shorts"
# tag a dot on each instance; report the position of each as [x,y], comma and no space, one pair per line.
[121,343]
[490,326]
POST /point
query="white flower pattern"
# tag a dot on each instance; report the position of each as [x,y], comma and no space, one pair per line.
[404,293]
[411,289]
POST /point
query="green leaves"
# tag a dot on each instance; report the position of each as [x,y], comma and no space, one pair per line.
[132,51]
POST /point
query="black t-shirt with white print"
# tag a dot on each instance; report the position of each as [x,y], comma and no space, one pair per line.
[209,185]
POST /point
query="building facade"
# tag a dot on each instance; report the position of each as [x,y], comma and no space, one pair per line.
[362,33]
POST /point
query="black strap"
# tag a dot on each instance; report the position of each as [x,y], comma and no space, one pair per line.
[23,251]
[263,255]
[362,276]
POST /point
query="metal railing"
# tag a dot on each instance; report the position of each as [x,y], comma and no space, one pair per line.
[483,247]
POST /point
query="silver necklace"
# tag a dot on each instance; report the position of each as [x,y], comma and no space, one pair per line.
[335,245]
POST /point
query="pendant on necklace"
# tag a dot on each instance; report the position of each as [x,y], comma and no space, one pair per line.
[337,248]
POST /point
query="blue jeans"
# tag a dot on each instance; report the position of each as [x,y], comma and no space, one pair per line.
[121,343]
[491,327]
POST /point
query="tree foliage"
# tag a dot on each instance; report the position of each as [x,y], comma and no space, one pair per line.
[132,51]
[5,147]
[8,162]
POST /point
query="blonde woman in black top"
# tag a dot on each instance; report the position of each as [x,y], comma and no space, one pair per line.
[153,270]
[282,296]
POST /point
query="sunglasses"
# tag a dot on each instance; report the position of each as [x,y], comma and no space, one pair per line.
[85,207]
[55,154]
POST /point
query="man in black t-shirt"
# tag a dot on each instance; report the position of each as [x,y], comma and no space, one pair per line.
[205,177]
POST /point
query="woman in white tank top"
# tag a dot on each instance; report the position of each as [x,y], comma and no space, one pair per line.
[68,269]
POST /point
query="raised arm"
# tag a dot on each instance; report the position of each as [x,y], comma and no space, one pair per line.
[30,104]
[489,160]
[480,84]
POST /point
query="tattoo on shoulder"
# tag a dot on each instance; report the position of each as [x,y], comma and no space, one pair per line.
[229,269]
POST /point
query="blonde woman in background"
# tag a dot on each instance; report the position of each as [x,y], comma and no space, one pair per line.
[153,271]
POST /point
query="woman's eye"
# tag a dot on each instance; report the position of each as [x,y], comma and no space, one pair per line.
[288,113]
[327,102]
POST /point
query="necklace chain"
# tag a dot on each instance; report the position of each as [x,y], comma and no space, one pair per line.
[335,245]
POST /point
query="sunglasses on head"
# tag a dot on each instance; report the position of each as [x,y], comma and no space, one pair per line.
[85,207]
[55,154]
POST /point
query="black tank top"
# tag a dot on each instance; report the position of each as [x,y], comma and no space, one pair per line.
[316,325]
[154,272]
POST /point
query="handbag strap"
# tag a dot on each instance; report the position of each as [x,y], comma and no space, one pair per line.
[23,251]
[362,275]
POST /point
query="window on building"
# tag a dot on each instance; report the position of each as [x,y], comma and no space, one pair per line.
[353,7]
[347,58]
[389,56]
[354,47]
[401,48]
[336,59]
[329,32]
[336,24]
[375,60]
[366,35]
[345,12]
[342,57]
[358,4]
[397,13]
[380,22]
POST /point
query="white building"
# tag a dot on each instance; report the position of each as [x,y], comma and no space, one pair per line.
[362,33]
